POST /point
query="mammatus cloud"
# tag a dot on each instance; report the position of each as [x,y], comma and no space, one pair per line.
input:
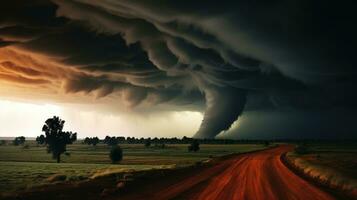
[233,56]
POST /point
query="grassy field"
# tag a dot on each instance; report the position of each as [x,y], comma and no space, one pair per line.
[339,156]
[331,164]
[21,168]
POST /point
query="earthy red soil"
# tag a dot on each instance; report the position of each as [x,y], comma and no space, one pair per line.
[259,175]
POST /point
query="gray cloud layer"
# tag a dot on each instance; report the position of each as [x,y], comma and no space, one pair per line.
[235,55]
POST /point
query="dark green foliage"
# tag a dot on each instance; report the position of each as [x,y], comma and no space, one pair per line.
[147,143]
[2,142]
[56,139]
[266,143]
[94,141]
[194,146]
[86,140]
[41,139]
[116,154]
[19,140]
[112,141]
[91,141]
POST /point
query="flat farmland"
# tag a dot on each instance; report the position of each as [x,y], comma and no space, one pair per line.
[23,167]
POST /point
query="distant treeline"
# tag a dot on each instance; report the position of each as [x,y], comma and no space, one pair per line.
[174,140]
[112,140]
[185,140]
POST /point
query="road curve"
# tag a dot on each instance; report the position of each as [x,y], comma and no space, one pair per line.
[253,176]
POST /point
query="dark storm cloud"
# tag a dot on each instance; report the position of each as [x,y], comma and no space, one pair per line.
[303,124]
[235,55]
[6,43]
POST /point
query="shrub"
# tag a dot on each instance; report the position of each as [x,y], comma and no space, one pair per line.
[116,154]
[41,139]
[86,140]
[91,141]
[266,143]
[148,143]
[194,146]
[19,140]
[111,141]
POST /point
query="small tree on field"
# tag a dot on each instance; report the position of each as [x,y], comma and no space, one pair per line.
[40,139]
[194,146]
[94,141]
[86,140]
[56,139]
[116,154]
[266,143]
[19,140]
[91,141]
[112,141]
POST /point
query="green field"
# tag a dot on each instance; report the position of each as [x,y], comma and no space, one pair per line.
[21,168]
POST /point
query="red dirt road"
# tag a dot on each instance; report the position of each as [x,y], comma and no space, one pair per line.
[253,176]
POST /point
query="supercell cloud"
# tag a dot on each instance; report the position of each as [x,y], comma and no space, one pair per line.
[231,56]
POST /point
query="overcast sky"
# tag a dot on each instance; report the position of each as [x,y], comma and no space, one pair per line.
[161,68]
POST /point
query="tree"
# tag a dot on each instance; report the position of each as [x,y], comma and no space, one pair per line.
[147,143]
[19,140]
[106,139]
[94,141]
[40,139]
[112,141]
[86,140]
[266,143]
[194,146]
[116,154]
[56,139]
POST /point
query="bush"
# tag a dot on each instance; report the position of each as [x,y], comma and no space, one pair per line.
[91,141]
[266,143]
[116,154]
[147,143]
[19,140]
[111,141]
[194,146]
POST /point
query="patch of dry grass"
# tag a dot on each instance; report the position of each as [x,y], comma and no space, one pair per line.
[334,166]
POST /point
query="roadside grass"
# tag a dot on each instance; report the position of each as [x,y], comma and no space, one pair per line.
[23,175]
[331,164]
[22,168]
[340,156]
